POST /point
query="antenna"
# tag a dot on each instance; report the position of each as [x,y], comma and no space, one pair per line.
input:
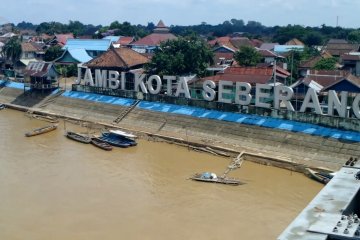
[337,21]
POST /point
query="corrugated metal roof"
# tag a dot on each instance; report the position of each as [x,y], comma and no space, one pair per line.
[80,55]
[88,44]
[287,48]
[113,39]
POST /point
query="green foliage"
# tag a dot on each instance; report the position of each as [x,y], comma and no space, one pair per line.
[186,55]
[326,64]
[354,36]
[53,53]
[67,70]
[247,56]
[289,32]
[12,50]
[313,39]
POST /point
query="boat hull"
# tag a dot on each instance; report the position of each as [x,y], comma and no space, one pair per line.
[42,130]
[97,142]
[78,137]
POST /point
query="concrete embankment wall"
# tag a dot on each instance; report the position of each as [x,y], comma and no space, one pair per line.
[260,142]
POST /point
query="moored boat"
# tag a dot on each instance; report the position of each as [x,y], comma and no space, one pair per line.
[212,178]
[320,176]
[101,144]
[120,138]
[123,134]
[78,137]
[41,130]
[114,140]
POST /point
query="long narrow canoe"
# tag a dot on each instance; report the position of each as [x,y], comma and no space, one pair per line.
[41,130]
[78,137]
[101,144]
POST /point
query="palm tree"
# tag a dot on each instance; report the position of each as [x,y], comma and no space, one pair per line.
[12,50]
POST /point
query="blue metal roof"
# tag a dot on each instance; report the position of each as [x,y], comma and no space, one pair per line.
[80,55]
[88,44]
[113,38]
[286,48]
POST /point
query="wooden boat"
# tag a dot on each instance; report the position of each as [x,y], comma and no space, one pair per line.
[46,118]
[78,137]
[209,177]
[320,176]
[101,144]
[115,141]
[41,130]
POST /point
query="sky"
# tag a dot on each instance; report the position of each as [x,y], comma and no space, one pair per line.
[184,12]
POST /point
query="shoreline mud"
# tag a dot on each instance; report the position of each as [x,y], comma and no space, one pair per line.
[189,143]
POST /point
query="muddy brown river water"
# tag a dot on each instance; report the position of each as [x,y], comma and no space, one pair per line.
[54,188]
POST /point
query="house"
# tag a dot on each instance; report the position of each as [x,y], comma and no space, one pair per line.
[30,52]
[119,59]
[351,62]
[267,55]
[83,50]
[125,41]
[348,83]
[317,80]
[60,39]
[222,41]
[338,47]
[150,42]
[41,76]
[223,57]
[310,63]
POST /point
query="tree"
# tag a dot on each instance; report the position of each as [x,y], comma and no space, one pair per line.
[326,64]
[313,39]
[12,50]
[354,36]
[247,56]
[53,53]
[183,56]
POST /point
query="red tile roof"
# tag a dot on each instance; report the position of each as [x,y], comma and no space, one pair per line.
[160,24]
[62,38]
[154,39]
[125,40]
[118,58]
[266,53]
[250,75]
[30,47]
[349,57]
[325,77]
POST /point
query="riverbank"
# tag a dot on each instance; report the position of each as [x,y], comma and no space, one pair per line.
[264,145]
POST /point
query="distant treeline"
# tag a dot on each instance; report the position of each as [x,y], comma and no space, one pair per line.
[252,29]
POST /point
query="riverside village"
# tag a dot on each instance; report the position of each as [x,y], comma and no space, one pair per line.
[254,97]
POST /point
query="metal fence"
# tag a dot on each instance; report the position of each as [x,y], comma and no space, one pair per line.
[352,124]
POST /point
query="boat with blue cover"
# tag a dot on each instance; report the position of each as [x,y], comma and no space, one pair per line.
[115,140]
[126,138]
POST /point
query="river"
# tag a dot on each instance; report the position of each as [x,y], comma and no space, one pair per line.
[54,188]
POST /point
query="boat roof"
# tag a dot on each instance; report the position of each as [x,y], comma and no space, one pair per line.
[122,133]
